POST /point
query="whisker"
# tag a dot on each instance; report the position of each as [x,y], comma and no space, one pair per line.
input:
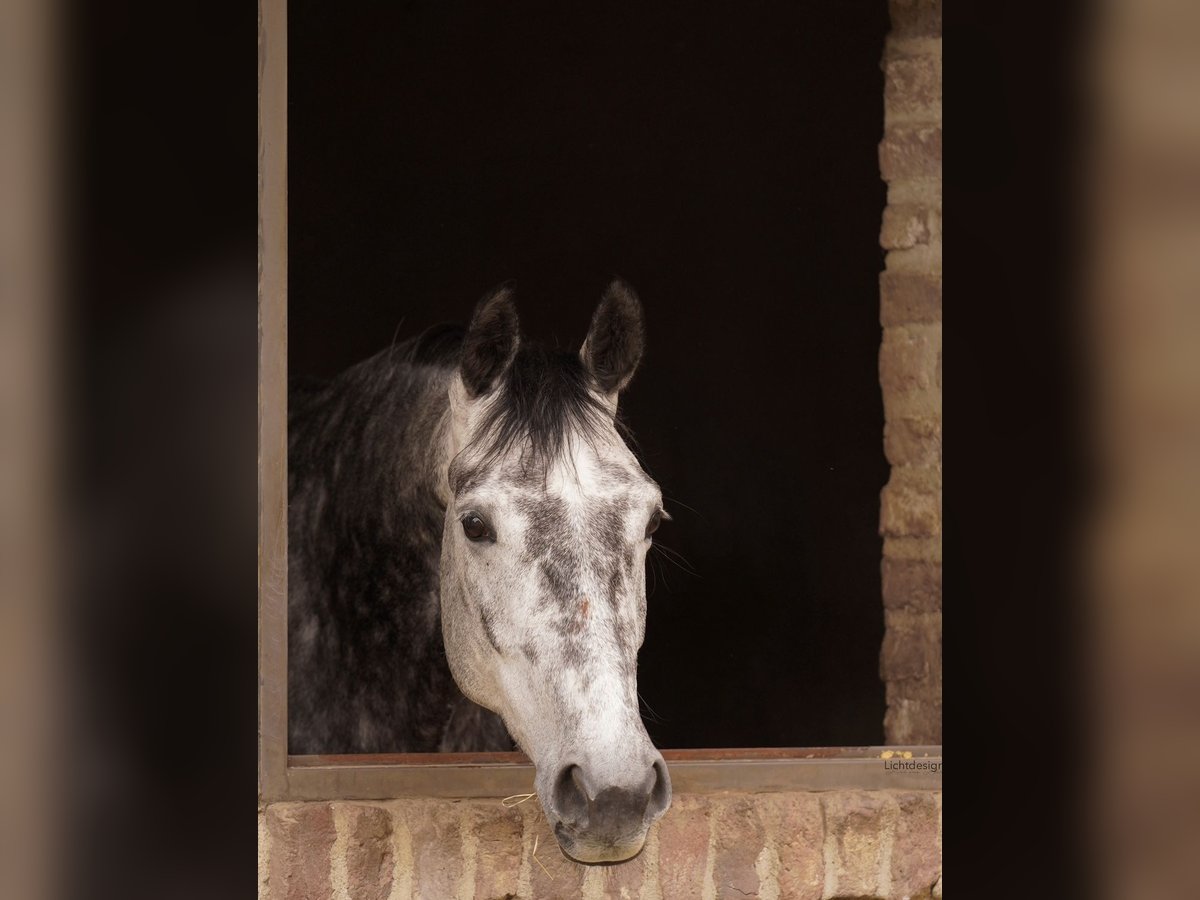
[675,501]
[653,716]
[675,557]
[662,573]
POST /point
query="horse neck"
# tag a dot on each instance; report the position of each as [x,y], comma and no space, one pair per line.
[374,447]
[415,454]
[366,513]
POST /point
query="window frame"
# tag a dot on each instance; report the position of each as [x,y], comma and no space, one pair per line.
[284,777]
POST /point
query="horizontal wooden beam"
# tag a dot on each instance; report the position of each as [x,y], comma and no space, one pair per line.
[496,775]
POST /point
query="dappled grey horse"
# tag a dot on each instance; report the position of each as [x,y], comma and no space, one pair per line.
[468,534]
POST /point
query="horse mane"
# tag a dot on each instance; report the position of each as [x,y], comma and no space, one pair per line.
[438,345]
[545,397]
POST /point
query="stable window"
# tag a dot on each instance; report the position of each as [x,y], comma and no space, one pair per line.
[725,165]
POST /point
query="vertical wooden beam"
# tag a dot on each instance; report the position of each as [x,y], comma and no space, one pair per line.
[35,811]
[272,399]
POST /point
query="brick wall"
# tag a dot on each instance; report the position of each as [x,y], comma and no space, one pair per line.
[842,844]
[910,372]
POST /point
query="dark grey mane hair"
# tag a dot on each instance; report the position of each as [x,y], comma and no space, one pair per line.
[543,400]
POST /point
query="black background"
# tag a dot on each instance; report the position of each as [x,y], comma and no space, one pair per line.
[159,698]
[726,166]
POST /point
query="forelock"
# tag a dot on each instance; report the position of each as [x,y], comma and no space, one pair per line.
[545,401]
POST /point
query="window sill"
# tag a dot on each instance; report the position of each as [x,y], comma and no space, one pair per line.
[478,775]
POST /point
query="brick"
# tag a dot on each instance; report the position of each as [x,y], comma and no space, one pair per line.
[368,852]
[912,584]
[921,549]
[916,18]
[683,840]
[556,876]
[264,843]
[916,860]
[799,840]
[912,646]
[911,694]
[857,823]
[925,193]
[624,881]
[740,838]
[914,403]
[911,151]
[912,721]
[551,873]
[911,502]
[926,622]
[908,358]
[437,846]
[909,297]
[913,441]
[903,655]
[499,833]
[912,86]
[302,837]
[910,657]
[906,226]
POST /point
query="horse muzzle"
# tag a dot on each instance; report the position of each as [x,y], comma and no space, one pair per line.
[605,821]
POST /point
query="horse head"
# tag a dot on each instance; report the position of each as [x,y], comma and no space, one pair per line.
[549,517]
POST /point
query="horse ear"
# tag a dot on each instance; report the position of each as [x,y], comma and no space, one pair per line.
[491,342]
[614,344]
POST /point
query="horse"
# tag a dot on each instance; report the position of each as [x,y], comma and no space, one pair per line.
[468,530]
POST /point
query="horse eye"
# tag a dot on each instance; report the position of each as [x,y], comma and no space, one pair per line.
[475,528]
[655,521]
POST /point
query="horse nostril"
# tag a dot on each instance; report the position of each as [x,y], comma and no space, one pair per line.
[660,793]
[611,812]
[571,796]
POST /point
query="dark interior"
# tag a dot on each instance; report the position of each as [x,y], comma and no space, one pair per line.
[725,165]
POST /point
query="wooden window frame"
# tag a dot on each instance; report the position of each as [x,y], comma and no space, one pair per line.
[282,777]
